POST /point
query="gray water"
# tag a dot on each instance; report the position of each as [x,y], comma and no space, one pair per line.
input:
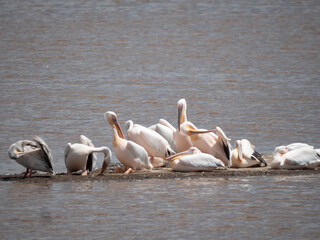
[219,208]
[250,67]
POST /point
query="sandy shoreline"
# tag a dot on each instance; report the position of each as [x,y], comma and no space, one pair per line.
[158,173]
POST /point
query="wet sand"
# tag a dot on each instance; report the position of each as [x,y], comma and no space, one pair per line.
[157,173]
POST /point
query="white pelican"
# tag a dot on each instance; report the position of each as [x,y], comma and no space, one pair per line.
[166,130]
[79,156]
[182,141]
[130,154]
[151,141]
[294,146]
[194,160]
[244,155]
[33,155]
[300,158]
[218,145]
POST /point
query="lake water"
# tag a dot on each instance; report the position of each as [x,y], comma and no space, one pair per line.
[250,67]
[218,208]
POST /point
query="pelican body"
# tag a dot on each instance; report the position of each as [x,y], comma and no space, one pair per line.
[193,160]
[151,141]
[129,153]
[33,155]
[293,146]
[166,130]
[218,145]
[302,157]
[244,155]
[79,156]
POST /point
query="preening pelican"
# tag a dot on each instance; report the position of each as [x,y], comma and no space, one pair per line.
[33,155]
[218,145]
[86,141]
[151,141]
[244,155]
[182,141]
[299,158]
[194,160]
[129,153]
[166,130]
[79,156]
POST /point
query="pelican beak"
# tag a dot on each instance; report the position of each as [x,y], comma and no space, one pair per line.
[179,155]
[197,131]
[239,148]
[114,123]
[24,153]
[17,152]
[180,116]
[104,167]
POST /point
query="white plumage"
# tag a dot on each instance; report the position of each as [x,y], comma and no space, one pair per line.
[33,155]
[244,155]
[130,154]
[151,141]
[194,160]
[79,156]
[301,157]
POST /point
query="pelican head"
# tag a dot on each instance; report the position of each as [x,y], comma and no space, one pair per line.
[112,119]
[239,149]
[15,150]
[129,124]
[281,150]
[182,112]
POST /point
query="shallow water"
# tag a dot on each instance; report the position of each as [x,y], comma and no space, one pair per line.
[251,68]
[219,208]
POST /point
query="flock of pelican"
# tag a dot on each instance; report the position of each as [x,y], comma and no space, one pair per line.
[186,148]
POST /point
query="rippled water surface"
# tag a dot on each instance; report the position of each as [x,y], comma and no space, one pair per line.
[219,208]
[250,67]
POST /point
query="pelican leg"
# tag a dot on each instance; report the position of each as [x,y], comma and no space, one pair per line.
[26,173]
[30,172]
[129,170]
[85,173]
[69,172]
[120,170]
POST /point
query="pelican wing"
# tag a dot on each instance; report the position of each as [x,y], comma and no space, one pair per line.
[294,146]
[66,152]
[301,157]
[92,156]
[225,141]
[90,162]
[153,139]
[167,124]
[167,134]
[86,141]
[201,160]
[257,156]
[45,148]
[227,149]
[137,151]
